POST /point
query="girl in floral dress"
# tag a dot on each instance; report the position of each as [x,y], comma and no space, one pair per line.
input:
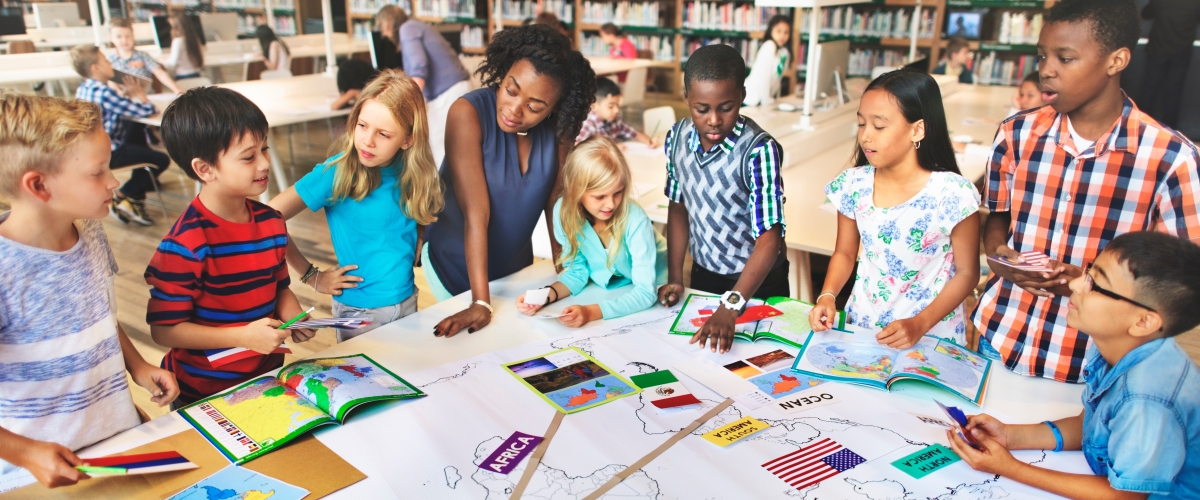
[906,216]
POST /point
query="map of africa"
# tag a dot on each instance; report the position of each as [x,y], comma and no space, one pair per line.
[588,392]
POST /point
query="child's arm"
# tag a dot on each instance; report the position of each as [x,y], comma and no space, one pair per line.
[330,281]
[964,241]
[677,232]
[718,330]
[643,250]
[161,383]
[289,307]
[845,254]
[51,463]
[166,79]
[260,336]
[346,98]
[645,139]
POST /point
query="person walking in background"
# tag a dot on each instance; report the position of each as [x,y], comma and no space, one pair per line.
[1168,55]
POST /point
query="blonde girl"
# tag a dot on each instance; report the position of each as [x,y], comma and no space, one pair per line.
[379,189]
[605,238]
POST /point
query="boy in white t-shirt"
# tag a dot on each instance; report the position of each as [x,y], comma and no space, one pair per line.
[63,356]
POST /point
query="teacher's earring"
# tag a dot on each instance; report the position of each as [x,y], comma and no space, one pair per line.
[917,144]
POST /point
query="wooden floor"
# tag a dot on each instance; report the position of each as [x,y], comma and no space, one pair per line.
[134,245]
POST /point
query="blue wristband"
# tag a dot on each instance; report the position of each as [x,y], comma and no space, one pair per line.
[1058,439]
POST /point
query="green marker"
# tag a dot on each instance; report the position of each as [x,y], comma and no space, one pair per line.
[297,318]
[102,471]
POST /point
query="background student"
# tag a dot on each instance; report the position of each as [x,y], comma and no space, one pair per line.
[187,48]
[377,191]
[619,46]
[766,76]
[605,238]
[523,122]
[604,119]
[1029,94]
[958,57]
[130,60]
[1091,151]
[352,76]
[276,55]
[906,216]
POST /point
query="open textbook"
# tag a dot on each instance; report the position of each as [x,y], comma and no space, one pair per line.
[853,355]
[781,319]
[265,413]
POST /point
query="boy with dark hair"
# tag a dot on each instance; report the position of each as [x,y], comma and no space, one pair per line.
[128,139]
[726,192]
[1140,425]
[605,117]
[1067,178]
[958,54]
[219,276]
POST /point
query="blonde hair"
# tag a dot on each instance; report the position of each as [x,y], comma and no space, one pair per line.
[83,57]
[35,132]
[392,14]
[595,164]
[420,187]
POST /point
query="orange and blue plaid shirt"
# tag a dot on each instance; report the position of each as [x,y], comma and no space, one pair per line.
[1069,204]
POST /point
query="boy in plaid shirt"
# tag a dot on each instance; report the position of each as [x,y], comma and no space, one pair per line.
[605,117]
[1066,179]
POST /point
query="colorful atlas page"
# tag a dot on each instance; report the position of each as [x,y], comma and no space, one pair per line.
[234,482]
[265,413]
[781,319]
[570,380]
[854,356]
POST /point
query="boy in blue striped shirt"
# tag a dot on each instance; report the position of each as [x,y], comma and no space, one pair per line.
[723,180]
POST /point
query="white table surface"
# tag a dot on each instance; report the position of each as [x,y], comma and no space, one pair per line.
[284,101]
[604,65]
[408,345]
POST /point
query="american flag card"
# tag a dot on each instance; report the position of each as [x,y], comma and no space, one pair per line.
[813,463]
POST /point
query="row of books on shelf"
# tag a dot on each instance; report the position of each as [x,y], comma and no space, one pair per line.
[445,8]
[748,47]
[862,61]
[1019,28]
[990,70]
[145,13]
[661,46]
[858,21]
[373,6]
[520,10]
[247,4]
[728,16]
[187,4]
[622,13]
[472,37]
[284,25]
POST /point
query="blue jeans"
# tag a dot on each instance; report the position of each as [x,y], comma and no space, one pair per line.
[379,316]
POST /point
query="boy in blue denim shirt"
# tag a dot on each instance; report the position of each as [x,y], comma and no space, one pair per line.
[1140,426]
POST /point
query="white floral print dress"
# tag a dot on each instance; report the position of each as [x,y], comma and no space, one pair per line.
[905,258]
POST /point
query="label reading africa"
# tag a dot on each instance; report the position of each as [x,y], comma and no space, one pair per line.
[926,461]
[732,433]
[510,453]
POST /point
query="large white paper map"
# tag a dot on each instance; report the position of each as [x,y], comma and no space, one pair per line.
[473,405]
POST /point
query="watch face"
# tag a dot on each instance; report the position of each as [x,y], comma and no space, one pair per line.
[734,299]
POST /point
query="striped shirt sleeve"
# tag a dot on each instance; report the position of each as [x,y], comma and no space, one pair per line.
[174,274]
[672,191]
[1179,195]
[113,102]
[765,179]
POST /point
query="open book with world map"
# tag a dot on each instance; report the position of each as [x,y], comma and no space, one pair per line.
[782,319]
[853,355]
[265,413]
[571,380]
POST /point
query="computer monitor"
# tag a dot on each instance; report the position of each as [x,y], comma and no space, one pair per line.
[831,71]
[219,26]
[963,24]
[12,25]
[383,53]
[56,15]
[162,29]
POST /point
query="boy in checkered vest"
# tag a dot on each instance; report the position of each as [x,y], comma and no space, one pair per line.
[726,197]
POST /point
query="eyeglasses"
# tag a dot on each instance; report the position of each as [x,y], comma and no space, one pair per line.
[1093,287]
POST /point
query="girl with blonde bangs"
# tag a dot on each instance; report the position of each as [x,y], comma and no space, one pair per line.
[379,189]
[605,238]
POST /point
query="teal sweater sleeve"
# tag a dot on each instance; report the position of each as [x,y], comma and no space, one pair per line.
[643,253]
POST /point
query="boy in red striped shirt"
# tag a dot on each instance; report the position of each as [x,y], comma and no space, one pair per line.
[219,275]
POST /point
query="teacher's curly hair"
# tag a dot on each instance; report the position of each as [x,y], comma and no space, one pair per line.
[551,55]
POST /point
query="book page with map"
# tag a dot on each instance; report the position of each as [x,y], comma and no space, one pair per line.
[265,413]
[782,319]
[854,356]
[570,380]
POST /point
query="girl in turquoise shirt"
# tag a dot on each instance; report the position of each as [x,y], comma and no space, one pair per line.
[377,190]
[604,238]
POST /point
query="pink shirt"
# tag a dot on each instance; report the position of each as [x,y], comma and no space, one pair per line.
[624,49]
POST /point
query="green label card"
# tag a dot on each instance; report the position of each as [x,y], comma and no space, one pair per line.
[926,461]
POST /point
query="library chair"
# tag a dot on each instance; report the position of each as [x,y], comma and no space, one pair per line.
[656,121]
[634,93]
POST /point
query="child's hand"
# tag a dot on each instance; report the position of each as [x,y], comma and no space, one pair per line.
[303,334]
[992,459]
[823,315]
[1042,284]
[161,383]
[577,316]
[51,463]
[263,336]
[333,281]
[669,294]
[902,334]
[717,331]
[527,309]
[986,425]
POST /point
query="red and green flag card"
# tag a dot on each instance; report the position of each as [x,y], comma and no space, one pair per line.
[663,390]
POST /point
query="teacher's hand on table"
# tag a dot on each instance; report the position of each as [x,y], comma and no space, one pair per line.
[472,319]
[717,331]
[333,281]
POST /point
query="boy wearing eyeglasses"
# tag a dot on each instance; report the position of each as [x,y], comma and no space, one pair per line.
[1140,425]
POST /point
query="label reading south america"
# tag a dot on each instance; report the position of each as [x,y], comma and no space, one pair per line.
[734,432]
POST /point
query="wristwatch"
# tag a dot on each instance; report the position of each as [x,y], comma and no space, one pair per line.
[733,301]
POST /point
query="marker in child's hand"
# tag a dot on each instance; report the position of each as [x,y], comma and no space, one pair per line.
[297,318]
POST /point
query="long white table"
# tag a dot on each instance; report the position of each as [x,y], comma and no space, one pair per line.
[407,346]
[604,65]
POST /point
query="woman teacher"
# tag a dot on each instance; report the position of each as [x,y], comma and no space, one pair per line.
[502,165]
[429,60]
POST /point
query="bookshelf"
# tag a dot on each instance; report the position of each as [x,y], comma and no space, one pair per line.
[1009,30]
[282,17]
